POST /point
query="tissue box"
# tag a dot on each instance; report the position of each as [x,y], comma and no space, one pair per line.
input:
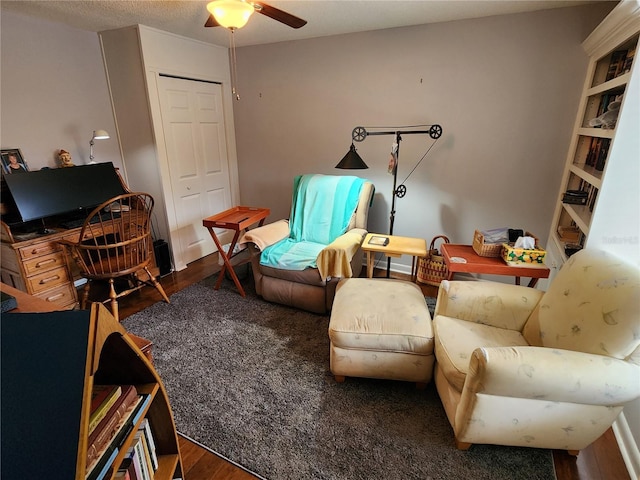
[520,257]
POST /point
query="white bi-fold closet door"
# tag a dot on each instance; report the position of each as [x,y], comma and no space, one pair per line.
[195,142]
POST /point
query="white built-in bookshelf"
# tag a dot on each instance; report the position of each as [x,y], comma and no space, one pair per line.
[596,154]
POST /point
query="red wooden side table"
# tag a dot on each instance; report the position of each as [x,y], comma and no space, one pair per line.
[462,258]
[237,219]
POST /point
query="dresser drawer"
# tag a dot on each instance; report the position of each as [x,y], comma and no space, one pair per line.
[45,263]
[39,249]
[47,280]
[64,295]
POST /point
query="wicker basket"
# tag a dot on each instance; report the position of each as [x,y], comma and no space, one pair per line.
[485,249]
[432,269]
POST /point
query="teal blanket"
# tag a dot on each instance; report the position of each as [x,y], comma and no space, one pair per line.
[321,209]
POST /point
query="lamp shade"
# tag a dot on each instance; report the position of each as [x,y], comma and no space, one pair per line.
[231,13]
[100,135]
[352,161]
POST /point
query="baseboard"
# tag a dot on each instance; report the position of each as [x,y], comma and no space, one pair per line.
[401,268]
[627,444]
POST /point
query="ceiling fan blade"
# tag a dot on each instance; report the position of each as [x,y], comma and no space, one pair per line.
[211,22]
[279,15]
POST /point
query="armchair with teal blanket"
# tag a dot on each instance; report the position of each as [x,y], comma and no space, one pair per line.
[298,262]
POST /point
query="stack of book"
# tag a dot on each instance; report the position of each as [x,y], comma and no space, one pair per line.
[620,63]
[598,150]
[141,461]
[115,411]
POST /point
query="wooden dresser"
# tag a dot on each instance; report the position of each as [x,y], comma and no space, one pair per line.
[35,264]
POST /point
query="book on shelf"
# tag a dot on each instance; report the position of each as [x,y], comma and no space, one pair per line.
[99,394]
[102,398]
[605,99]
[616,65]
[590,160]
[593,193]
[379,240]
[125,471]
[103,467]
[147,453]
[628,62]
[598,151]
[151,444]
[141,408]
[136,451]
[108,426]
[602,154]
[122,475]
[131,466]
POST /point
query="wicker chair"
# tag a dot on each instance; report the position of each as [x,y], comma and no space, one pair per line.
[115,243]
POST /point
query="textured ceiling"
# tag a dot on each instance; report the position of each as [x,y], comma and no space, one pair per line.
[325,17]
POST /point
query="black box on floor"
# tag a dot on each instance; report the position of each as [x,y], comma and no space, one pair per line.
[163,259]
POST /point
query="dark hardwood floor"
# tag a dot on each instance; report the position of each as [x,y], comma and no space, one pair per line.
[599,461]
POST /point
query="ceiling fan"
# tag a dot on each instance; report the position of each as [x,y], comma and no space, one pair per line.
[234,14]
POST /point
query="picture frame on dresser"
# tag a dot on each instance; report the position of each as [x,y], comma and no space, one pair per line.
[13,161]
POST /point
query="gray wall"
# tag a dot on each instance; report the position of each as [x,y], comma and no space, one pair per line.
[54,92]
[505,90]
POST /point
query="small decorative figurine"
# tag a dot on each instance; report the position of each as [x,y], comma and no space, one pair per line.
[65,159]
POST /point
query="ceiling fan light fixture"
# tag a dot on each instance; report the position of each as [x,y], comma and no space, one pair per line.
[231,14]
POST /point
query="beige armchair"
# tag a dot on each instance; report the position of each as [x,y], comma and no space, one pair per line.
[518,366]
[312,288]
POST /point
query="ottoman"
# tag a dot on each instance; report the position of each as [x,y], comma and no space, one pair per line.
[381,328]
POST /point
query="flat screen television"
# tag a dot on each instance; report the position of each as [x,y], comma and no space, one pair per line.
[57,191]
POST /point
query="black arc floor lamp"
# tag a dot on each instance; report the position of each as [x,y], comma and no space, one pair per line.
[353,161]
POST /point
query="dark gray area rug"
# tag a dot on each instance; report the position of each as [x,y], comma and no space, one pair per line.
[251,380]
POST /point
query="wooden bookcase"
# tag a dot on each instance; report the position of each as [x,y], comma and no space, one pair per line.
[595,154]
[50,362]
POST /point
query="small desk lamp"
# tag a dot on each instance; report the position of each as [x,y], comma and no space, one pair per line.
[97,135]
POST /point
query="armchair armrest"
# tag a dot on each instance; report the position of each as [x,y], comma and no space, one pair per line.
[490,303]
[267,235]
[552,374]
[335,259]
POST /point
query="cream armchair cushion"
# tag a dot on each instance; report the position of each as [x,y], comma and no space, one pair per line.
[517,366]
[266,235]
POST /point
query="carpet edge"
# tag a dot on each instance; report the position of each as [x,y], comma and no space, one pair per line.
[211,450]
